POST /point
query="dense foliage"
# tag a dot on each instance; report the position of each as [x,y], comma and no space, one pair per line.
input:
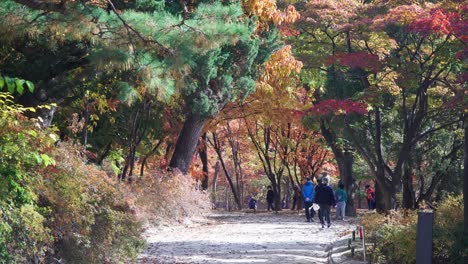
[53,205]
[394,235]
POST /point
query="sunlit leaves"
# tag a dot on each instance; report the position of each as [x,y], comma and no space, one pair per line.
[267,12]
[15,85]
[278,70]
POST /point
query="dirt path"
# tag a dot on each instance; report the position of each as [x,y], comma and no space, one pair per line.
[242,237]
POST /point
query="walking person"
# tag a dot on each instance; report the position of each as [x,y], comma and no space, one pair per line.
[341,198]
[325,199]
[319,184]
[308,195]
[370,197]
[270,198]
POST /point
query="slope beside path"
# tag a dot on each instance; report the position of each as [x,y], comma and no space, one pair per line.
[244,237]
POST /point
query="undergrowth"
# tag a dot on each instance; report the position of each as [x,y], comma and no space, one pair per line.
[395,234]
[55,207]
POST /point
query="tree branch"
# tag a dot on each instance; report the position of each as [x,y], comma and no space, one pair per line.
[44,5]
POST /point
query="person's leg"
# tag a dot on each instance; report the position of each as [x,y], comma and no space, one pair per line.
[307,210]
[321,214]
[343,210]
[338,211]
[327,214]
[369,204]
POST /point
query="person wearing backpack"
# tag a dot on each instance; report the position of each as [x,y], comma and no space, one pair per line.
[341,198]
[308,195]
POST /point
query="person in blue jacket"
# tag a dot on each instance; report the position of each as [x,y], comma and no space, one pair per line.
[308,194]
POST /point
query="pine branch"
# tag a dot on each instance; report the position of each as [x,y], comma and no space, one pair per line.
[138,34]
[44,5]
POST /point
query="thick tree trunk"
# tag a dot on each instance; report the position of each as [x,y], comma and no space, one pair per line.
[204,159]
[345,166]
[277,190]
[350,183]
[409,198]
[382,197]
[187,143]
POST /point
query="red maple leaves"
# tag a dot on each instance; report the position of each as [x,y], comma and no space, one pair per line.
[439,21]
[358,60]
[333,106]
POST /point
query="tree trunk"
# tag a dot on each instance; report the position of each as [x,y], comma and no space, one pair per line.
[275,187]
[215,182]
[187,143]
[359,198]
[382,197]
[145,158]
[217,147]
[204,159]
[287,195]
[350,183]
[84,134]
[104,155]
[344,160]
[409,200]
[465,174]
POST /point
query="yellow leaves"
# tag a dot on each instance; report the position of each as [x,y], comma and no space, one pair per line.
[267,12]
[279,68]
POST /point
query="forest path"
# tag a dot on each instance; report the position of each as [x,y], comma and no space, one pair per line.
[244,237]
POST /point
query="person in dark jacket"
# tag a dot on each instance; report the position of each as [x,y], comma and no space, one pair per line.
[270,198]
[308,195]
[325,199]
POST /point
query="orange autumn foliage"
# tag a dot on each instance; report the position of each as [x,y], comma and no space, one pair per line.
[267,12]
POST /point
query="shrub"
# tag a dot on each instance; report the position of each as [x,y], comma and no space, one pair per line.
[395,234]
[92,221]
[54,205]
[450,241]
[23,147]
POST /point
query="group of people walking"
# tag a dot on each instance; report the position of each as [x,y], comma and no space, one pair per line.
[323,196]
[318,199]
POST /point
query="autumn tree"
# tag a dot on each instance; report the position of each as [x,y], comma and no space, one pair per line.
[393,58]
